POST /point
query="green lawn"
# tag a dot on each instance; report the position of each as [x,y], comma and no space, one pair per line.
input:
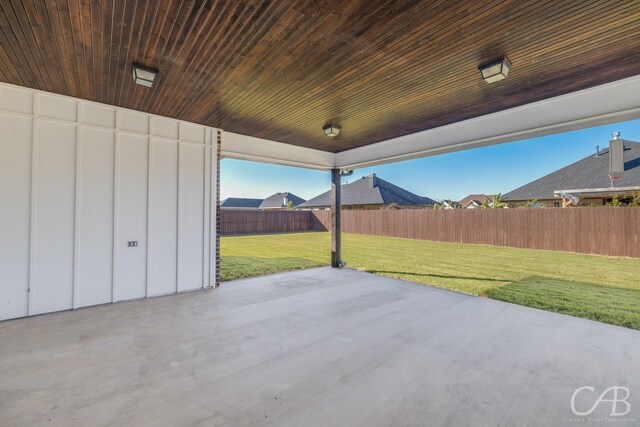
[599,288]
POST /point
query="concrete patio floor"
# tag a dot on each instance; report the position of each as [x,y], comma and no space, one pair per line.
[313,347]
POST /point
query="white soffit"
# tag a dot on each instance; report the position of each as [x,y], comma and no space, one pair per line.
[245,147]
[609,103]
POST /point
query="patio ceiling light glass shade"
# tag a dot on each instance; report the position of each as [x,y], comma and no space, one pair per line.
[331,130]
[143,76]
[496,70]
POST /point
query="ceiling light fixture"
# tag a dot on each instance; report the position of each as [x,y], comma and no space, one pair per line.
[495,71]
[331,130]
[143,76]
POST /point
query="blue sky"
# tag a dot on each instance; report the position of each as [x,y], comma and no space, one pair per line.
[496,169]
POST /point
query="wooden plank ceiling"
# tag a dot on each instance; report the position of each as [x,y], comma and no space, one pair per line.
[282,69]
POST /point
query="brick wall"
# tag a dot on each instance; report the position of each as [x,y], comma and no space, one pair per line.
[218,149]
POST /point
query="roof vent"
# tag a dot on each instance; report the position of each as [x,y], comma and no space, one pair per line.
[597,151]
[615,135]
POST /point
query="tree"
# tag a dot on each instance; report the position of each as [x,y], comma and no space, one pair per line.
[531,204]
[290,206]
[615,202]
[496,203]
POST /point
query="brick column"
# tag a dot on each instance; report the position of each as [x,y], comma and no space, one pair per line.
[218,149]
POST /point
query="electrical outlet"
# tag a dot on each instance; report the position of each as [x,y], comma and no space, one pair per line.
[133,244]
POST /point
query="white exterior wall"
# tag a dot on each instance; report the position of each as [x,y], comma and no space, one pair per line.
[78,181]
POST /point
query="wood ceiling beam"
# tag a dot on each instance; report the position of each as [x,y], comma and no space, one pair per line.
[601,105]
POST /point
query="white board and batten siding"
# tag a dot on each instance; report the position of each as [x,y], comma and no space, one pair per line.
[79,181]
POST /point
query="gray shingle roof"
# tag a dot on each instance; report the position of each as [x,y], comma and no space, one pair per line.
[370,190]
[239,203]
[590,172]
[277,201]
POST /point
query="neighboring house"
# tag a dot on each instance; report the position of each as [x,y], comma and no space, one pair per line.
[238,203]
[280,201]
[594,180]
[370,192]
[474,201]
[447,204]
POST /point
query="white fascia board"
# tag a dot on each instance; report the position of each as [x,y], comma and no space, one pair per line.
[243,147]
[609,103]
[597,191]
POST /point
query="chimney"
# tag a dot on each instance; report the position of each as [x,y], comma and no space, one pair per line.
[616,154]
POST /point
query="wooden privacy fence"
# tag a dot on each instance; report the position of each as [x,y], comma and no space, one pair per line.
[603,231]
[235,222]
